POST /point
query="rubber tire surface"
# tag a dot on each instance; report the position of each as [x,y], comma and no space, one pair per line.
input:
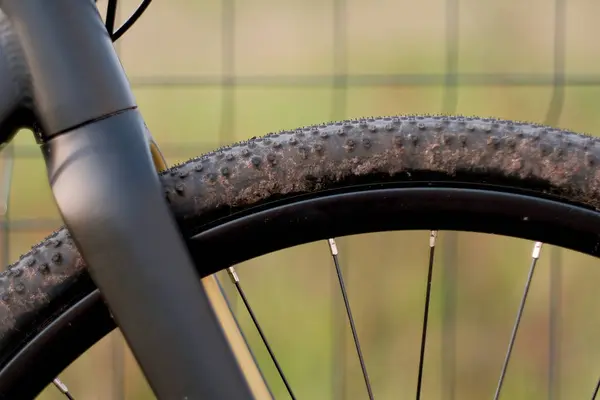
[46,280]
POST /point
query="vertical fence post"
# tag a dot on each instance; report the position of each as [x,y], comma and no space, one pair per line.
[6,169]
[553,115]
[450,249]
[339,111]
[227,122]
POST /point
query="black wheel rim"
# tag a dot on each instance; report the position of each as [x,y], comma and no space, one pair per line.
[476,208]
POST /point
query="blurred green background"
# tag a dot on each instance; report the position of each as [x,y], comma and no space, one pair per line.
[175,57]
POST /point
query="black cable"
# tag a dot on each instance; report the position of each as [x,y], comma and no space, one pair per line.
[111,13]
[132,20]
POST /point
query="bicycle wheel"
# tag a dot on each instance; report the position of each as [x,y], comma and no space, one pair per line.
[369,175]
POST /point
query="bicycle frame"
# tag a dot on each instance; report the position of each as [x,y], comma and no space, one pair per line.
[60,76]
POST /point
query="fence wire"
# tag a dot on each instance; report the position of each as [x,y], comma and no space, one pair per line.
[340,81]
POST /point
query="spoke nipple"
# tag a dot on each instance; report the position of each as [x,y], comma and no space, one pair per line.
[60,385]
[537,248]
[234,276]
[333,247]
[432,237]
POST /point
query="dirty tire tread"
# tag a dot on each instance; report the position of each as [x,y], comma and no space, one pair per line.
[53,274]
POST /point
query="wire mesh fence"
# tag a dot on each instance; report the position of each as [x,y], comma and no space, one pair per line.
[339,80]
[226,79]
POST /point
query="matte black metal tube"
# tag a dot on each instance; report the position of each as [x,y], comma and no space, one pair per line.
[111,200]
[76,74]
[15,93]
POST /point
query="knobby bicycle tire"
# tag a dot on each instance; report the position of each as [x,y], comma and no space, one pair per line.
[35,290]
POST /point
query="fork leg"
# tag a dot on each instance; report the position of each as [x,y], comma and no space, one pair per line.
[111,200]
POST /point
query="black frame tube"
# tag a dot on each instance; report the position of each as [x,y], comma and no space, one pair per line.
[108,193]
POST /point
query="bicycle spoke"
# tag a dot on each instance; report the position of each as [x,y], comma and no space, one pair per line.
[236,281]
[339,365]
[596,390]
[535,255]
[432,237]
[63,388]
[334,255]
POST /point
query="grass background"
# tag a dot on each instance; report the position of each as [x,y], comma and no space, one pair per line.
[181,41]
